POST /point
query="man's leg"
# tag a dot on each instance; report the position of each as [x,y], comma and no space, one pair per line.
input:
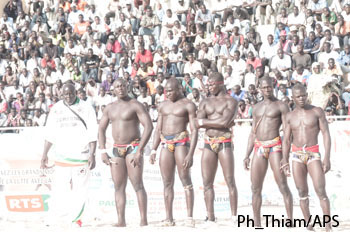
[80,185]
[120,179]
[227,164]
[258,171]
[185,177]
[167,169]
[135,176]
[300,179]
[281,180]
[61,190]
[209,165]
[319,182]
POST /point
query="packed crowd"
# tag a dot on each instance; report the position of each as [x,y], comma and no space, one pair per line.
[45,43]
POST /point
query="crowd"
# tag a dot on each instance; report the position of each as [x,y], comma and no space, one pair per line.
[45,43]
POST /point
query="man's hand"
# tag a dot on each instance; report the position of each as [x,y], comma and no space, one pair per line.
[92,162]
[152,158]
[136,161]
[188,162]
[44,161]
[105,158]
[284,167]
[326,165]
[246,163]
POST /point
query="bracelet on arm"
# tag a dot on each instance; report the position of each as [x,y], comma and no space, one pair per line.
[200,122]
[104,150]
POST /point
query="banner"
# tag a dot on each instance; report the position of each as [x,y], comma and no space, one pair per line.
[25,189]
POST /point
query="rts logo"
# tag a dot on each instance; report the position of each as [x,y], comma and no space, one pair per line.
[27,203]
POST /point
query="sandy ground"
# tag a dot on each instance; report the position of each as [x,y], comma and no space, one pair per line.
[222,224]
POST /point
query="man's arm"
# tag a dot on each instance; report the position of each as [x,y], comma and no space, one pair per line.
[284,111]
[102,134]
[221,122]
[191,108]
[156,136]
[146,122]
[323,124]
[44,158]
[287,137]
[250,144]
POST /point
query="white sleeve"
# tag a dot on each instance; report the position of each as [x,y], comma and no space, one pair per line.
[51,125]
[91,123]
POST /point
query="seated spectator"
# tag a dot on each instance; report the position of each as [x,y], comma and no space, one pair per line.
[237,93]
[144,97]
[300,75]
[301,58]
[282,62]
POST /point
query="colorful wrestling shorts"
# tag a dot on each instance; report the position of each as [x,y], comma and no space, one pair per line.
[122,150]
[266,148]
[217,143]
[172,141]
[305,154]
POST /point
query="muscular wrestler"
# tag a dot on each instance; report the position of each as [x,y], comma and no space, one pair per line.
[177,150]
[216,114]
[126,159]
[268,116]
[303,125]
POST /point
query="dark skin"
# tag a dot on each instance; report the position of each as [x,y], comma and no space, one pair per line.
[69,96]
[303,125]
[272,113]
[174,116]
[125,116]
[216,114]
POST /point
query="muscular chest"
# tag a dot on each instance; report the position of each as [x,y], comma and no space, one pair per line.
[122,112]
[267,111]
[302,120]
[174,109]
[215,107]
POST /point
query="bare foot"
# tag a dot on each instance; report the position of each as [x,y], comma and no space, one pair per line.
[119,224]
[144,223]
[310,228]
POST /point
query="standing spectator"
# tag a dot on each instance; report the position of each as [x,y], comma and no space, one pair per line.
[75,148]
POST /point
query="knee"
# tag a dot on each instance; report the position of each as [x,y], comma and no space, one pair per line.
[119,188]
[230,181]
[284,188]
[168,184]
[321,192]
[185,180]
[208,186]
[302,192]
[138,187]
[256,189]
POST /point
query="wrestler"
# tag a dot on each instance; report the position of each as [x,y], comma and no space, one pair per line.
[177,147]
[126,158]
[303,125]
[216,114]
[268,116]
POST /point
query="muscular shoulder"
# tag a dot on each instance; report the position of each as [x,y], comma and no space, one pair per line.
[190,106]
[282,106]
[318,111]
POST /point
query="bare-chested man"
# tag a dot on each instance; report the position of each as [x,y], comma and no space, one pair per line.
[216,114]
[177,151]
[126,160]
[303,125]
[268,116]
